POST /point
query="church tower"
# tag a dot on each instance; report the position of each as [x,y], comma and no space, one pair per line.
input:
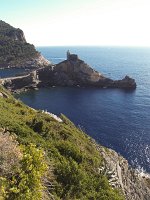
[68,55]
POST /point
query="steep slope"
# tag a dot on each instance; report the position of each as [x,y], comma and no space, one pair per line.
[78,168]
[15,51]
[74,159]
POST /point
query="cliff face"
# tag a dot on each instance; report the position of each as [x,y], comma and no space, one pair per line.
[15,51]
[76,73]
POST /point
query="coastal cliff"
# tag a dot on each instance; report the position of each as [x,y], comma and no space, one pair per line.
[15,51]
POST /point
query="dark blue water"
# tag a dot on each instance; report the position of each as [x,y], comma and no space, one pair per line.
[115,118]
[10,72]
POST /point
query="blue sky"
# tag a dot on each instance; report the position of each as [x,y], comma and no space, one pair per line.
[80,22]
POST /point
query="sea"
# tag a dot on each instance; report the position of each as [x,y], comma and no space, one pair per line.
[115,118]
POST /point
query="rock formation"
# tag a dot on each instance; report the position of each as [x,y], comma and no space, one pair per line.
[75,72]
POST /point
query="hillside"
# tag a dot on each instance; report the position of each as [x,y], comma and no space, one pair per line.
[15,51]
[72,159]
[45,157]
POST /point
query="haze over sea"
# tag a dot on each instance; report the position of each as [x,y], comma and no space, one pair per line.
[115,118]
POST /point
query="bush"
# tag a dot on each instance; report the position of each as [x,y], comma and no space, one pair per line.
[10,154]
[28,182]
[21,170]
[72,178]
[70,151]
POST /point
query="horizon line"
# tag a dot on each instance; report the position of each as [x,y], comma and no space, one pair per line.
[117,46]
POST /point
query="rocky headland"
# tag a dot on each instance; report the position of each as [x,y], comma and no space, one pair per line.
[75,72]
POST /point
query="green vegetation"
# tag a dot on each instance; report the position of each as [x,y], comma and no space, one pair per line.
[24,177]
[13,47]
[53,160]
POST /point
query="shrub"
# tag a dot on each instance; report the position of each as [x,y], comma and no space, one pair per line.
[22,169]
[70,151]
[10,154]
[28,182]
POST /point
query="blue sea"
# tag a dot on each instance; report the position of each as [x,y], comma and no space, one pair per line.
[115,118]
[10,72]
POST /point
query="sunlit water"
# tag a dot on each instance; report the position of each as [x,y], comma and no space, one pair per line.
[115,118]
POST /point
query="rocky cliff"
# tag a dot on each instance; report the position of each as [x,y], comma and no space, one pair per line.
[15,51]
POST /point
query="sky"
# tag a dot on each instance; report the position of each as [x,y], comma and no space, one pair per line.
[80,22]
